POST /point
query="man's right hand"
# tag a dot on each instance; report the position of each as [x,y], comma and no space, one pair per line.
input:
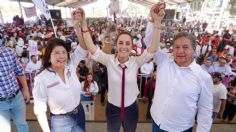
[78,18]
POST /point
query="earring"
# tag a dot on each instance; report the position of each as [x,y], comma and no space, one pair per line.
[194,55]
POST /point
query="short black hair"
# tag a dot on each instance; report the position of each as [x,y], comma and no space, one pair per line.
[233,82]
[217,75]
[82,61]
[32,56]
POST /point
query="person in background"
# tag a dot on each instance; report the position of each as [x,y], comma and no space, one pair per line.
[230,108]
[82,70]
[24,60]
[12,101]
[89,88]
[219,96]
[34,65]
[223,68]
[213,56]
[146,70]
[207,65]
[149,92]
[233,65]
[104,83]
[229,59]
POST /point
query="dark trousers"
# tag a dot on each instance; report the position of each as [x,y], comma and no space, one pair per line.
[103,92]
[148,114]
[114,121]
[156,128]
[230,111]
[143,83]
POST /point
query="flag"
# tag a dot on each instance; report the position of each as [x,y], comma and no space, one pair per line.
[30,11]
[43,7]
[114,7]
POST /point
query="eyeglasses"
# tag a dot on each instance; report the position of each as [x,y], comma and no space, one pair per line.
[57,53]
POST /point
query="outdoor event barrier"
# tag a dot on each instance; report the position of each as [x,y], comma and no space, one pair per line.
[88,109]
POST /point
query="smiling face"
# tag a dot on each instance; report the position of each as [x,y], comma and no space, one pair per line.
[59,57]
[124,46]
[90,78]
[222,61]
[183,51]
[207,63]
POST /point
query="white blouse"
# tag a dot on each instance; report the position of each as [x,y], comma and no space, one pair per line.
[93,88]
[115,76]
[62,97]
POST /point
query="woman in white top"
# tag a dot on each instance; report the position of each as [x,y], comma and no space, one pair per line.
[89,88]
[122,70]
[59,87]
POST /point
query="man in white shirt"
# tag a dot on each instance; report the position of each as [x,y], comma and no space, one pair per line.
[230,49]
[207,66]
[219,96]
[34,65]
[229,59]
[184,88]
[146,70]
[222,67]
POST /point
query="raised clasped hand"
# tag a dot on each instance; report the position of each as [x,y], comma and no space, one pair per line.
[158,12]
[78,17]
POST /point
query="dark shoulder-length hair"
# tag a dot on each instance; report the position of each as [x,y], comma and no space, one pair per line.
[86,83]
[48,50]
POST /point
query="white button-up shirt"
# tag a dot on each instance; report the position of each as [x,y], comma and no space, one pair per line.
[115,76]
[93,88]
[180,94]
[224,70]
[50,89]
[31,66]
[147,68]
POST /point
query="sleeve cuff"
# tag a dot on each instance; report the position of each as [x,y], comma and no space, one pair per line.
[96,54]
[149,24]
[81,50]
[148,54]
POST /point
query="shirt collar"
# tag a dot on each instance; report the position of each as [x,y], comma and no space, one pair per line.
[117,63]
[192,66]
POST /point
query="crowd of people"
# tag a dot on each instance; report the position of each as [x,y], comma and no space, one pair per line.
[186,73]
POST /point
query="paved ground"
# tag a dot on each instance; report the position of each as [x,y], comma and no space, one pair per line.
[99,112]
[142,127]
[99,125]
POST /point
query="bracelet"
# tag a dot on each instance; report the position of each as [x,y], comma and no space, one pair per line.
[84,31]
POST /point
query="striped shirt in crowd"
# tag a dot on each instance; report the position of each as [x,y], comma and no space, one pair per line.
[9,69]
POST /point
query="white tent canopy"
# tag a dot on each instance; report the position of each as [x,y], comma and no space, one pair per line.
[75,3]
[64,3]
[151,2]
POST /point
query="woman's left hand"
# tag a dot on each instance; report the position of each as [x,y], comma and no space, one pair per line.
[158,12]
